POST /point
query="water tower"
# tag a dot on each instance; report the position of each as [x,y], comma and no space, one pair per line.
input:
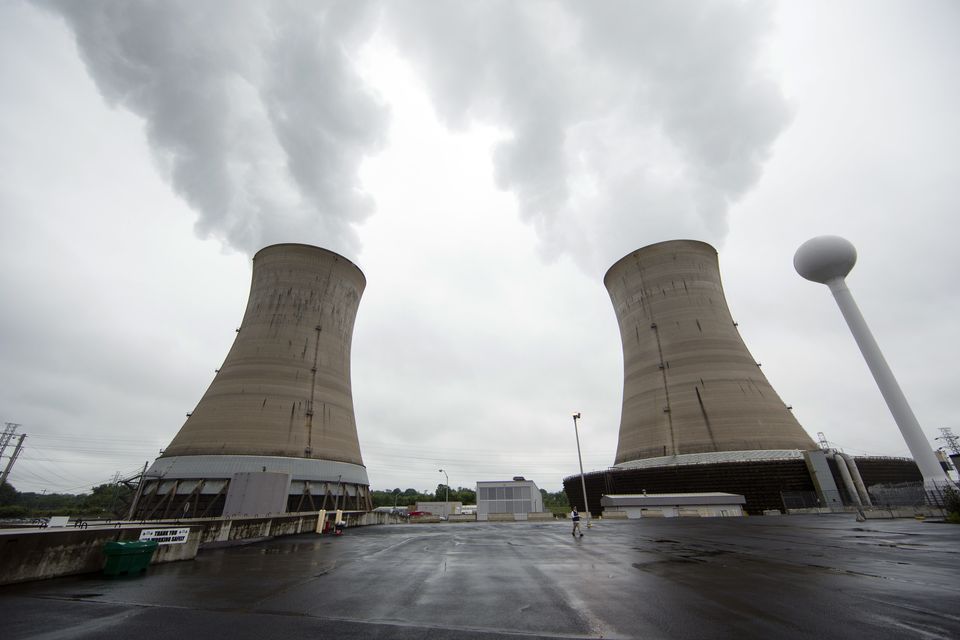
[828,260]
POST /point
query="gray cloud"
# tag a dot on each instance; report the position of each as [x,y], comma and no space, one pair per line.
[628,123]
[255,113]
[625,123]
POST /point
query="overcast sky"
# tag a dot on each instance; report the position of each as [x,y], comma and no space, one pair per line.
[483,164]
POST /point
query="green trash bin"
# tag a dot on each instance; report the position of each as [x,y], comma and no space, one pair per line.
[128,558]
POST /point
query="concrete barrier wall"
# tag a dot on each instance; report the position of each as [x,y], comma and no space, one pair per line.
[459,517]
[540,516]
[813,511]
[902,512]
[500,517]
[219,530]
[614,515]
[35,555]
[877,513]
[48,553]
[424,519]
[374,517]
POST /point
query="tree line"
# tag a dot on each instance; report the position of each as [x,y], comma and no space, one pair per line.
[110,501]
[556,502]
[106,501]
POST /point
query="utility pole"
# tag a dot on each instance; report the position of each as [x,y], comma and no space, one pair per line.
[136,496]
[446,505]
[116,492]
[13,458]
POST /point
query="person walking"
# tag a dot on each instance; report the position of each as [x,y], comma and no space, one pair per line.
[575,516]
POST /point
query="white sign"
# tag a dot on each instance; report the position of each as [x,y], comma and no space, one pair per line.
[165,536]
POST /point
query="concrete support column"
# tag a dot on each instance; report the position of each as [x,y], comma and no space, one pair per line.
[847,479]
[857,479]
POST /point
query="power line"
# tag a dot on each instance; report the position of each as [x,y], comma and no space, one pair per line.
[52,472]
[57,436]
[99,460]
[50,476]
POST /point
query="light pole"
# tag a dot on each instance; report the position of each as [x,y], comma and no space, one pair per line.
[446,505]
[583,483]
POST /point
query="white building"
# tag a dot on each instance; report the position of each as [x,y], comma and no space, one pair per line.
[518,497]
[673,505]
[442,509]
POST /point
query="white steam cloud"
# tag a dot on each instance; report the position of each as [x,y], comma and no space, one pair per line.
[632,122]
[254,110]
[629,122]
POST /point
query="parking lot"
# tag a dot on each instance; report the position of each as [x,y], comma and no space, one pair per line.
[755,577]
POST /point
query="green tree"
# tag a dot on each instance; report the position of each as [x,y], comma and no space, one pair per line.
[106,501]
[555,502]
[13,511]
[46,504]
[8,495]
[465,495]
[951,503]
[388,498]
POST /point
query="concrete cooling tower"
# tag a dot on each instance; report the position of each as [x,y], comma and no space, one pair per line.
[690,385]
[699,419]
[277,421]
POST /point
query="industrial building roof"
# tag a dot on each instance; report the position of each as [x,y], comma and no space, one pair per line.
[505,483]
[670,499]
[713,457]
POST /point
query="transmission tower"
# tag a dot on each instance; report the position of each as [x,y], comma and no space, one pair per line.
[6,436]
[13,458]
[822,441]
[952,441]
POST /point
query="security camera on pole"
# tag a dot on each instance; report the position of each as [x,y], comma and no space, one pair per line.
[828,260]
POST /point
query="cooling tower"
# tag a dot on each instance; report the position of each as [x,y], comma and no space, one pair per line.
[281,402]
[690,386]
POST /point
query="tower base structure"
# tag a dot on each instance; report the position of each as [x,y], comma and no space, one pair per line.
[690,385]
[201,486]
[770,480]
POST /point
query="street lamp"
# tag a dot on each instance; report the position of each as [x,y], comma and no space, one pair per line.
[583,483]
[446,506]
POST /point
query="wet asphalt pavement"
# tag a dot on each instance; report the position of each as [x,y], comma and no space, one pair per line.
[757,577]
